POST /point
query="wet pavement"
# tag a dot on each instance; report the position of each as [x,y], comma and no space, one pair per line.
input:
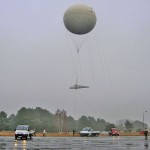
[76,143]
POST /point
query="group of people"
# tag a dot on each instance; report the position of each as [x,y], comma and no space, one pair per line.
[145,133]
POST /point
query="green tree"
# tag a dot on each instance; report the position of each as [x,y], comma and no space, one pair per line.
[138,125]
[92,122]
[11,122]
[109,126]
[128,125]
[98,124]
[83,122]
[38,119]
[101,124]
[71,124]
[3,121]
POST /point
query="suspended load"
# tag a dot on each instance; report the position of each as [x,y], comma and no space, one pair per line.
[76,86]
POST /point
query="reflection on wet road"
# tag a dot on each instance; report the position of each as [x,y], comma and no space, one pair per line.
[76,143]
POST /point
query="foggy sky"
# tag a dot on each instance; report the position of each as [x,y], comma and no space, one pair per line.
[38,59]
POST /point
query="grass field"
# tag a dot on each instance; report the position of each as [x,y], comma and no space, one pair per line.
[10,133]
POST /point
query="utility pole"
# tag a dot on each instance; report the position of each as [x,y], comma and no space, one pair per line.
[143,119]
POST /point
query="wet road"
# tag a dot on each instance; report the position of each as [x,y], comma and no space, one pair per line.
[76,143]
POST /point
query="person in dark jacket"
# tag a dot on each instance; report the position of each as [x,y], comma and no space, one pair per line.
[145,133]
[73,132]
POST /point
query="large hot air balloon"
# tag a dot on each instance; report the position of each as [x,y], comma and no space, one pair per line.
[79,19]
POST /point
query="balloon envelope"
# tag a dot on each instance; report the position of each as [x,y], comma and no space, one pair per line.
[79,19]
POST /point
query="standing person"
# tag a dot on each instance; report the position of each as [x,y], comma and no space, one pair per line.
[145,133]
[73,132]
[44,132]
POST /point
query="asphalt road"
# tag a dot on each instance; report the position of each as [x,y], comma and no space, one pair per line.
[76,143]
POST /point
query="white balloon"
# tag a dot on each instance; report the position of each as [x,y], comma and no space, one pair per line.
[79,19]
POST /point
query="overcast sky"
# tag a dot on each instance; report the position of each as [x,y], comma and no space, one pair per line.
[38,59]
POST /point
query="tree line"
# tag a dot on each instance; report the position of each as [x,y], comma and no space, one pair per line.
[39,119]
